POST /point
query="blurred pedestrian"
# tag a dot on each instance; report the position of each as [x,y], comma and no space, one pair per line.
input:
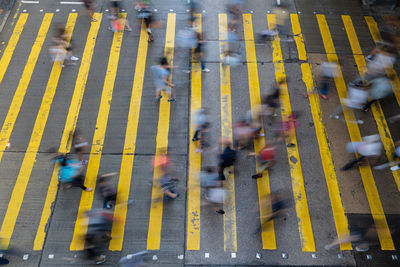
[235,9]
[276,203]
[380,88]
[145,12]
[357,98]
[231,50]
[369,149]
[362,234]
[380,58]
[226,159]
[161,80]
[70,171]
[266,158]
[98,234]
[117,21]
[200,119]
[327,72]
[89,5]
[80,145]
[107,189]
[62,48]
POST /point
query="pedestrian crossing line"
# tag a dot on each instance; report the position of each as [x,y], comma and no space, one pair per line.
[354,132]
[194,191]
[124,183]
[156,208]
[12,43]
[263,186]
[373,29]
[18,193]
[70,125]
[338,212]
[299,193]
[23,84]
[230,237]
[376,108]
[86,202]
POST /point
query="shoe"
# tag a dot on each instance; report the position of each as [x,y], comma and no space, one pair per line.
[84,162]
[186,71]
[74,58]
[325,97]
[220,211]
[108,206]
[129,29]
[359,249]
[88,189]
[171,99]
[101,260]
[199,150]
[256,176]
[158,98]
[334,116]
[395,168]
[291,145]
[206,70]
[94,20]
[195,139]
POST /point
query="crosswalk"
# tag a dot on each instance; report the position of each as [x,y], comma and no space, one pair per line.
[30,170]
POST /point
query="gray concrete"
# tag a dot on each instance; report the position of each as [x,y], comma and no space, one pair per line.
[173,234]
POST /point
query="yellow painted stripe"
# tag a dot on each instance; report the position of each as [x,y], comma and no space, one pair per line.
[268,231]
[299,193]
[373,28]
[18,192]
[23,84]
[156,209]
[12,43]
[341,223]
[381,123]
[193,195]
[70,125]
[354,132]
[124,184]
[230,237]
[86,202]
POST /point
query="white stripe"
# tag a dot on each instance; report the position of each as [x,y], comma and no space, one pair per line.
[71,3]
[30,2]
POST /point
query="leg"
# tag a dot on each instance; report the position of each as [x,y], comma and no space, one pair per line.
[337,112]
[351,163]
[369,103]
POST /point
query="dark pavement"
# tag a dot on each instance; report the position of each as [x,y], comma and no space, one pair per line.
[60,227]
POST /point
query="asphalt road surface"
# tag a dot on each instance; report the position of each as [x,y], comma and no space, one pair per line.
[108,94]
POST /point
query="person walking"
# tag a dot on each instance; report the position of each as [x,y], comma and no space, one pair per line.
[161,80]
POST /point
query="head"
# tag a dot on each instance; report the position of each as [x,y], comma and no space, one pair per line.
[163,61]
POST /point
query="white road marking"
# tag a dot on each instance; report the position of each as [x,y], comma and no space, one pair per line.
[394,257]
[71,3]
[30,2]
